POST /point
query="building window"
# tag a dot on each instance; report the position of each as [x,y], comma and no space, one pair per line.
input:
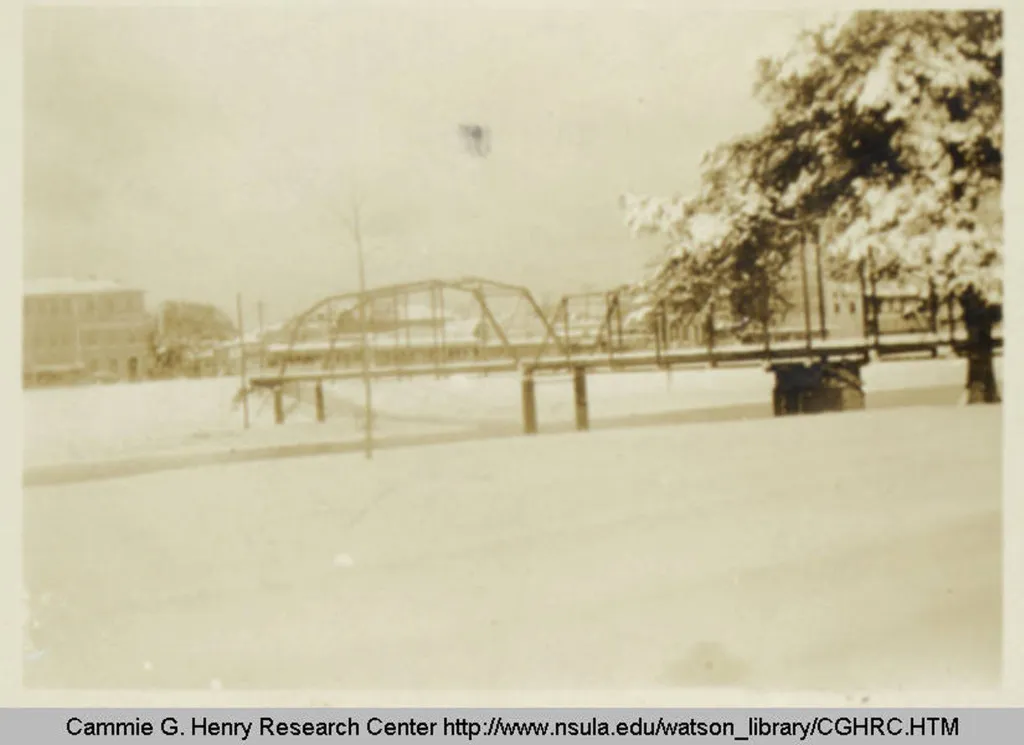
[853,307]
[90,338]
[90,306]
[835,308]
[65,306]
[113,365]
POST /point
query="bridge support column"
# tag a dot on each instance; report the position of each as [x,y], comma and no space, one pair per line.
[321,414]
[278,405]
[529,404]
[802,388]
[579,387]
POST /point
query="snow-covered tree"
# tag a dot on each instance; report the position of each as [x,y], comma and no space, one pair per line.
[885,136]
[181,330]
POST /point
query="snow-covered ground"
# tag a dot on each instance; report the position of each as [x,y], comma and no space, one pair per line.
[127,421]
[494,399]
[188,416]
[847,552]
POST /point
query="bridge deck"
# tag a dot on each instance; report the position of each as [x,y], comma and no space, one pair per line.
[460,368]
[738,353]
[835,349]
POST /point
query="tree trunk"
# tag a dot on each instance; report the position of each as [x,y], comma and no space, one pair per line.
[979,318]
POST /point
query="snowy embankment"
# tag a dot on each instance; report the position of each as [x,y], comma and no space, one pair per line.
[852,552]
[200,416]
[496,399]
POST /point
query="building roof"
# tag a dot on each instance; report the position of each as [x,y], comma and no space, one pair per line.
[72,286]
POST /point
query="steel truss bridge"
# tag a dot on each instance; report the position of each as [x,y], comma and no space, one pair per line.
[421,337]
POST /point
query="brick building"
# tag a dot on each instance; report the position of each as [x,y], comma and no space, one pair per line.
[76,329]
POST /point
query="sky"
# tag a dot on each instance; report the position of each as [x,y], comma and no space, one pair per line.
[201,152]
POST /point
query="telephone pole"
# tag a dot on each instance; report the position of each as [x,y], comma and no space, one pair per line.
[367,389]
[259,312]
[242,363]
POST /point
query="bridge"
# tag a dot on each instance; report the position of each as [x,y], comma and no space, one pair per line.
[385,333]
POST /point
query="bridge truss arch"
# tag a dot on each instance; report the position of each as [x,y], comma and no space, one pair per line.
[433,326]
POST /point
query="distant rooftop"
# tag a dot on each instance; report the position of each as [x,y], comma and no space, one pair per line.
[72,286]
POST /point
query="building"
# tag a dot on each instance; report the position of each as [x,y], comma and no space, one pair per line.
[852,312]
[84,329]
[794,322]
[841,310]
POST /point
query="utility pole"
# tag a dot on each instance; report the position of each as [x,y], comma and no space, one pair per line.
[875,305]
[806,289]
[242,363]
[259,311]
[820,278]
[368,409]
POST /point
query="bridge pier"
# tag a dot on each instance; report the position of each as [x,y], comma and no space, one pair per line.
[279,404]
[802,388]
[579,388]
[321,414]
[529,404]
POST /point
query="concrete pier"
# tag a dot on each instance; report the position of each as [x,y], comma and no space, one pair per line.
[810,388]
[529,404]
[579,388]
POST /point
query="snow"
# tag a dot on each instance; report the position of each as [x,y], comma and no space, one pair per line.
[910,77]
[70,286]
[198,416]
[876,90]
[859,551]
[83,422]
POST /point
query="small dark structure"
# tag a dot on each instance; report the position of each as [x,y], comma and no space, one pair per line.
[811,388]
[980,318]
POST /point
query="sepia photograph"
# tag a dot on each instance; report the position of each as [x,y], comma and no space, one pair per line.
[483,346]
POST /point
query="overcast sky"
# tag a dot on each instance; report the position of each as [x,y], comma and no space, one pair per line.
[201,152]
